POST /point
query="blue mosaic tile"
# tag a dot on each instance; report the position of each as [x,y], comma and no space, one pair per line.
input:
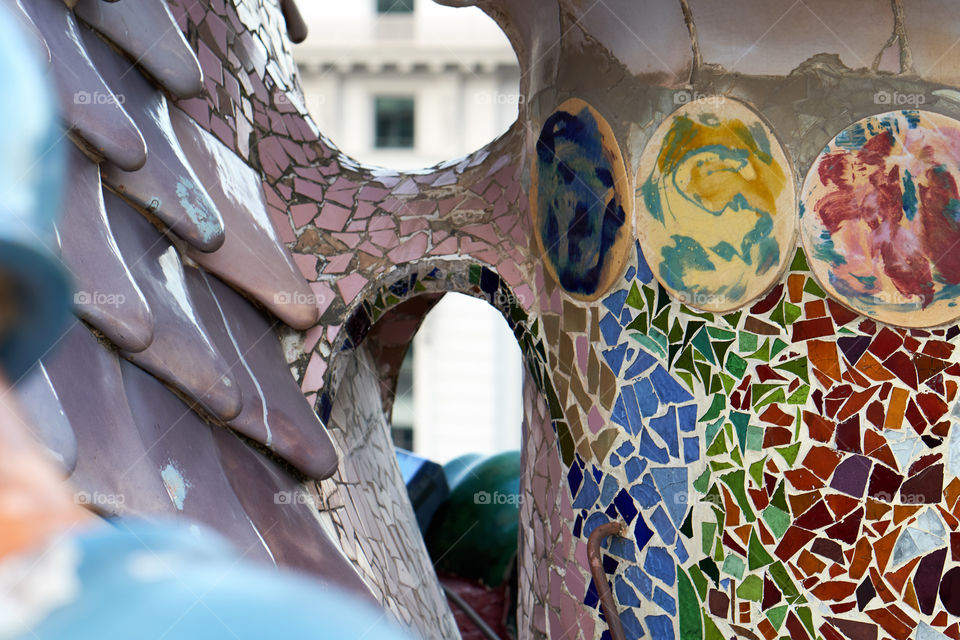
[614,301]
[611,511]
[644,274]
[642,362]
[619,414]
[680,551]
[625,317]
[668,389]
[672,484]
[665,528]
[645,492]
[614,358]
[574,478]
[687,417]
[626,596]
[691,449]
[614,460]
[623,547]
[649,449]
[625,506]
[646,398]
[634,467]
[666,428]
[610,565]
[625,449]
[589,492]
[592,597]
[661,627]
[594,521]
[666,603]
[597,474]
[610,329]
[631,626]
[641,532]
[608,490]
[633,411]
[660,564]
[640,580]
[630,352]
[628,276]
[577,525]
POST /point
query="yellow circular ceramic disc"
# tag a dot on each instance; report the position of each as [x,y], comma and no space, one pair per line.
[715,199]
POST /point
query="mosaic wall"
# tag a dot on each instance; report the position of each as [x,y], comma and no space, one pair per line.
[722,234]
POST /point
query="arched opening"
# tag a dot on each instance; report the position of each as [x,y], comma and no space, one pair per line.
[407,84]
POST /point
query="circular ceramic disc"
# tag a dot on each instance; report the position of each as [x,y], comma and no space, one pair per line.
[880,218]
[580,200]
[715,204]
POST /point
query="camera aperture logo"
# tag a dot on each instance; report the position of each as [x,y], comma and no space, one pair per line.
[98,97]
[99,298]
[98,499]
[485,497]
[297,297]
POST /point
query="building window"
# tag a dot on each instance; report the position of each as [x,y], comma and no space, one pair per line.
[394,6]
[393,122]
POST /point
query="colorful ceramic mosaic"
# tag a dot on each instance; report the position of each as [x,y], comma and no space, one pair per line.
[785,466]
[881,218]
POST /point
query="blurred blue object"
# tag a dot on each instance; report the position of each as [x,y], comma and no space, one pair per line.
[34,288]
[426,485]
[144,580]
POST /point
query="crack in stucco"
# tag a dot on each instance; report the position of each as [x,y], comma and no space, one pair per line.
[899,35]
[694,41]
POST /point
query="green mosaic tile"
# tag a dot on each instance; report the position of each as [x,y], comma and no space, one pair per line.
[706,373]
[777,520]
[704,315]
[720,465]
[756,471]
[718,554]
[789,453]
[779,498]
[718,446]
[649,344]
[639,323]
[735,456]
[709,531]
[757,556]
[762,354]
[634,298]
[778,346]
[662,321]
[797,366]
[736,365]
[419,287]
[691,622]
[734,565]
[728,382]
[754,438]
[799,261]
[733,319]
[475,272]
[566,443]
[740,422]
[721,334]
[777,396]
[799,397]
[791,312]
[776,316]
[813,288]
[750,589]
[806,617]
[702,481]
[699,581]
[687,527]
[710,630]
[735,480]
[717,405]
[676,332]
[776,616]
[687,377]
[747,341]
[720,348]
[782,579]
[663,298]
